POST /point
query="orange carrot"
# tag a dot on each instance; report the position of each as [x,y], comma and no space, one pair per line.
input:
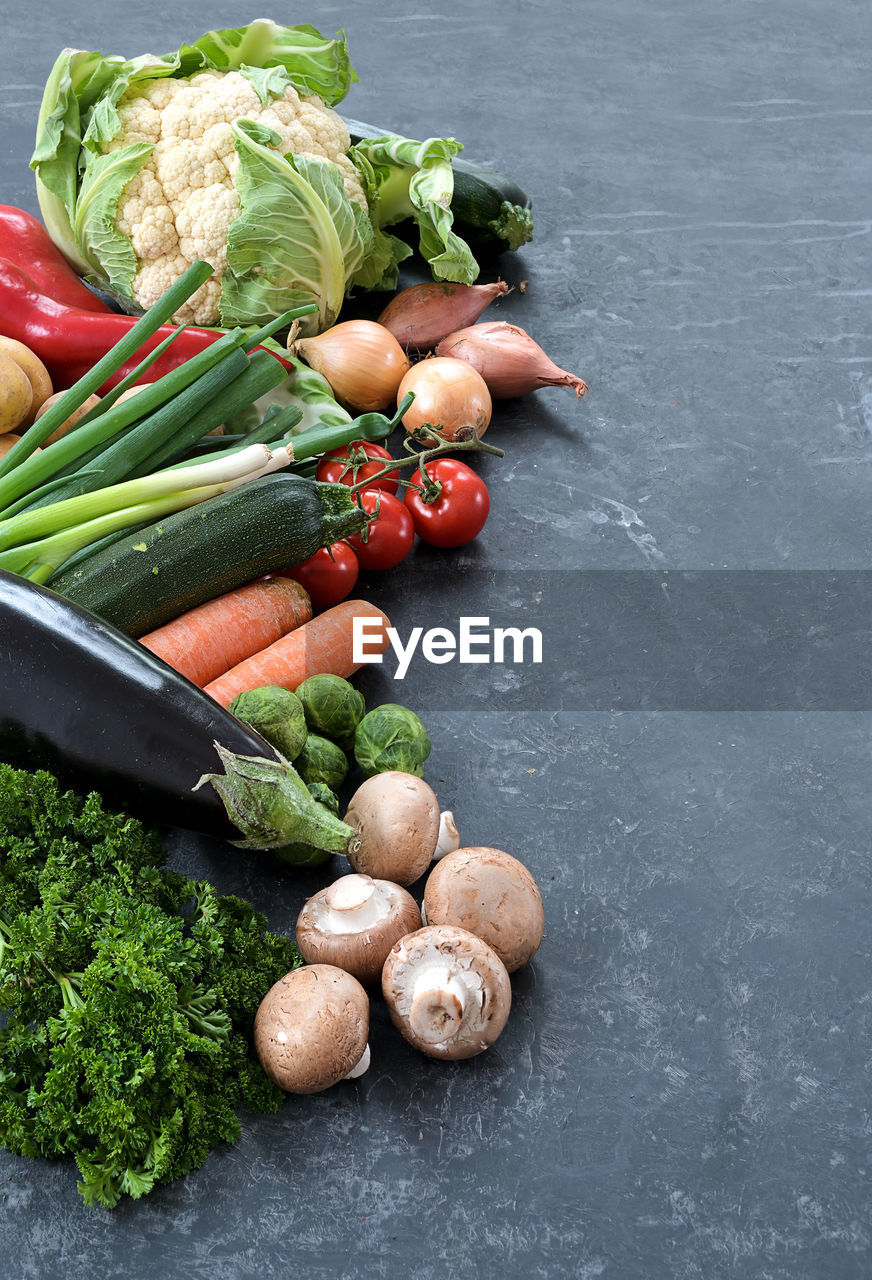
[207,641]
[323,646]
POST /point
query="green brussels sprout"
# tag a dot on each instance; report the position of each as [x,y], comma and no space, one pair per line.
[276,714]
[322,761]
[391,737]
[322,793]
[332,706]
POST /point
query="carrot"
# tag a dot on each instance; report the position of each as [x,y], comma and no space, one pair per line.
[207,641]
[324,646]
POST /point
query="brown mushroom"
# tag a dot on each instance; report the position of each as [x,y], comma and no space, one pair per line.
[397,817]
[354,922]
[311,1028]
[493,895]
[448,993]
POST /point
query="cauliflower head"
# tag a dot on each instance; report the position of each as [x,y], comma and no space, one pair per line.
[181,203]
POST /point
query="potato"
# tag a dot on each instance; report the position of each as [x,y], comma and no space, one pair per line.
[16,395]
[35,371]
[7,441]
[71,420]
[131,392]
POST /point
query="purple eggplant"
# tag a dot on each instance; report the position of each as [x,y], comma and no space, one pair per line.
[102,713]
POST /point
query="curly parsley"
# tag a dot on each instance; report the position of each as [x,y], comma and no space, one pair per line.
[129,994]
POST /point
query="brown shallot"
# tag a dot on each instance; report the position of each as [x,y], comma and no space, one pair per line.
[424,314]
[362,361]
[508,359]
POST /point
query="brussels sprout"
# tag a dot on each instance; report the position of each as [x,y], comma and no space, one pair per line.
[321,792]
[276,714]
[322,761]
[332,707]
[391,737]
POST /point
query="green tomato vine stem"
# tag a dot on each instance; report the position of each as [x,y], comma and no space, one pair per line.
[466,441]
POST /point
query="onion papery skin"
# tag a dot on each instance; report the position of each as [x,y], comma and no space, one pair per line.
[362,361]
[446,398]
[422,315]
[510,361]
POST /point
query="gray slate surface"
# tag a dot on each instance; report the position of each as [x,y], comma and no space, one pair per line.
[682,1090]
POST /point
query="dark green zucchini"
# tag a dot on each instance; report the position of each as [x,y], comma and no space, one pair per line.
[491,211]
[155,574]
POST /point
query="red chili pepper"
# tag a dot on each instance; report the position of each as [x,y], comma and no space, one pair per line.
[27,244]
[70,340]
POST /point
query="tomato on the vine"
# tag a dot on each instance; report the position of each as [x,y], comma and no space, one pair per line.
[459,513]
[329,576]
[336,466]
[390,535]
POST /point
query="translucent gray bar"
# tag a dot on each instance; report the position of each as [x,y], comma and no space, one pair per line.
[643,640]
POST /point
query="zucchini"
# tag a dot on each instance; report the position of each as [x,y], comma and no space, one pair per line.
[151,576]
[491,211]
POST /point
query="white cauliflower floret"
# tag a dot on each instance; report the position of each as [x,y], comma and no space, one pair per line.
[180,205]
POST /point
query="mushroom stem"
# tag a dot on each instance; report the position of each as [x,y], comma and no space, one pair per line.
[360,1066]
[439,998]
[449,837]
[353,905]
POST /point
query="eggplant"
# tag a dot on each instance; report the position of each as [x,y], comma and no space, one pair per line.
[99,711]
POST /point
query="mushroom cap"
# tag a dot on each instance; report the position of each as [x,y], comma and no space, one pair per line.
[471,1026]
[397,817]
[311,1028]
[353,924]
[493,895]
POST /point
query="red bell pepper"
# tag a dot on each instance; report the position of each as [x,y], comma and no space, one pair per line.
[26,243]
[70,340]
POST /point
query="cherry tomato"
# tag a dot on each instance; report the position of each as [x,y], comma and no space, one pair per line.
[389,537]
[328,576]
[335,467]
[459,513]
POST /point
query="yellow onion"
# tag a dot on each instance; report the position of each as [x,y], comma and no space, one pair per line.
[362,361]
[449,395]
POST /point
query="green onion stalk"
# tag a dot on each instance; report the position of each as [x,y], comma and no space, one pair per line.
[114,439]
[147,325]
[35,544]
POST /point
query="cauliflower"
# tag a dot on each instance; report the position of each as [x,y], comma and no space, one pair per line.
[180,204]
[229,150]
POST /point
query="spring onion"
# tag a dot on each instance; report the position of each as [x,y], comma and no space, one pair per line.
[121,456]
[132,378]
[39,467]
[37,543]
[162,311]
[262,374]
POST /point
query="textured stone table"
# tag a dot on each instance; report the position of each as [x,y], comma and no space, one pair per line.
[682,1090]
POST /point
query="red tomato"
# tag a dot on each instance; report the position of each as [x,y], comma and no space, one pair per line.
[336,468]
[459,513]
[328,576]
[390,536]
